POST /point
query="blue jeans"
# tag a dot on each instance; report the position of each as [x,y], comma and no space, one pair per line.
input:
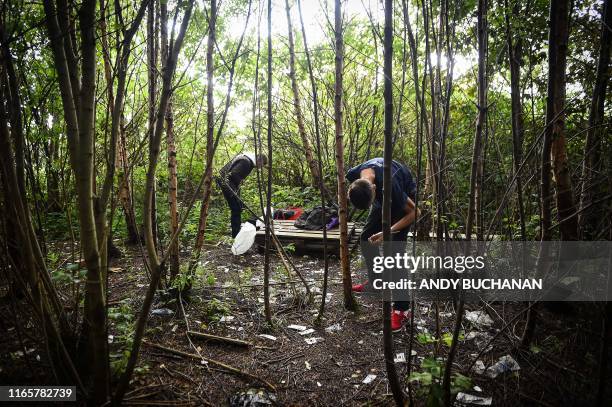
[372,226]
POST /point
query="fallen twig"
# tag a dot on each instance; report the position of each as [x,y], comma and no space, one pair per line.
[213,362]
[222,339]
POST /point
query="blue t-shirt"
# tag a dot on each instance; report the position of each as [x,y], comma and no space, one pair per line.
[401,180]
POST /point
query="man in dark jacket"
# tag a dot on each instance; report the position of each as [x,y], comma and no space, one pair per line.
[231,176]
[366,192]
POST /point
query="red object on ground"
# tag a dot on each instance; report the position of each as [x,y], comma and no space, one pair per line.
[399,319]
[359,288]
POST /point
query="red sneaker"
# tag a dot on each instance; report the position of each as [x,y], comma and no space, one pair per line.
[359,288]
[399,319]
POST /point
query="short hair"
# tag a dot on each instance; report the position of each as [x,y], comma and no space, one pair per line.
[361,194]
[263,158]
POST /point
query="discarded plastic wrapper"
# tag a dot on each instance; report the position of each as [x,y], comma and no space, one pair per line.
[227,318]
[333,328]
[504,364]
[244,239]
[481,339]
[401,357]
[252,397]
[479,318]
[307,332]
[297,327]
[479,367]
[464,399]
[270,337]
[312,341]
[369,379]
[162,311]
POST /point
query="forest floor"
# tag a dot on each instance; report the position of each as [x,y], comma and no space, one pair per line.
[344,367]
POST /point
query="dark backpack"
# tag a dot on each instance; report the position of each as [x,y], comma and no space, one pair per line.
[313,219]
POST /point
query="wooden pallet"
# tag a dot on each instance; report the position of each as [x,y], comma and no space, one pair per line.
[306,240]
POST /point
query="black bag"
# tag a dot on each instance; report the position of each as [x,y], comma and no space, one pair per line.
[313,219]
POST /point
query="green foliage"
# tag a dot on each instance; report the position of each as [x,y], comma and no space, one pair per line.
[214,309]
[430,381]
[71,274]
[121,320]
[183,278]
[425,338]
[447,338]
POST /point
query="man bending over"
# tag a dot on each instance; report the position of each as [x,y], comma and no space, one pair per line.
[365,192]
[231,176]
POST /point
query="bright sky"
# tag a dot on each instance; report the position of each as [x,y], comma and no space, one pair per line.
[313,12]
[315,22]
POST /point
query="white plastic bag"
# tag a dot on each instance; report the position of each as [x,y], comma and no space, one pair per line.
[259,222]
[244,239]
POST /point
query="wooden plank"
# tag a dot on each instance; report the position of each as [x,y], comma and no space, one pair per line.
[305,240]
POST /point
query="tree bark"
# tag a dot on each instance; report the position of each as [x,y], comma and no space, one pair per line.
[125,190]
[79,115]
[394,382]
[514,61]
[297,105]
[349,299]
[559,18]
[154,262]
[213,140]
[171,150]
[476,169]
[268,215]
[152,88]
[557,44]
[210,124]
[592,187]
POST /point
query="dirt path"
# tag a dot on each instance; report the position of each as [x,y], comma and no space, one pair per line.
[342,366]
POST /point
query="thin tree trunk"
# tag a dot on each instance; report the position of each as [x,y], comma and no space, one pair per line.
[349,299]
[213,139]
[54,200]
[171,149]
[392,376]
[79,116]
[210,123]
[154,262]
[514,60]
[152,87]
[475,197]
[297,105]
[558,18]
[120,159]
[476,174]
[268,215]
[592,187]
[125,191]
[563,183]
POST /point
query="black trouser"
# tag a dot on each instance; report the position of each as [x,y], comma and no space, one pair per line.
[372,226]
[234,204]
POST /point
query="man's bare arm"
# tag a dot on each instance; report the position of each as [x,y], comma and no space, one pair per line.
[403,223]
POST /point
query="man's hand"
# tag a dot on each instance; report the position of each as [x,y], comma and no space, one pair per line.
[376,238]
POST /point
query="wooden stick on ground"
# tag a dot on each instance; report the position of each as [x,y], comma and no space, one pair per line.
[213,362]
[222,339]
